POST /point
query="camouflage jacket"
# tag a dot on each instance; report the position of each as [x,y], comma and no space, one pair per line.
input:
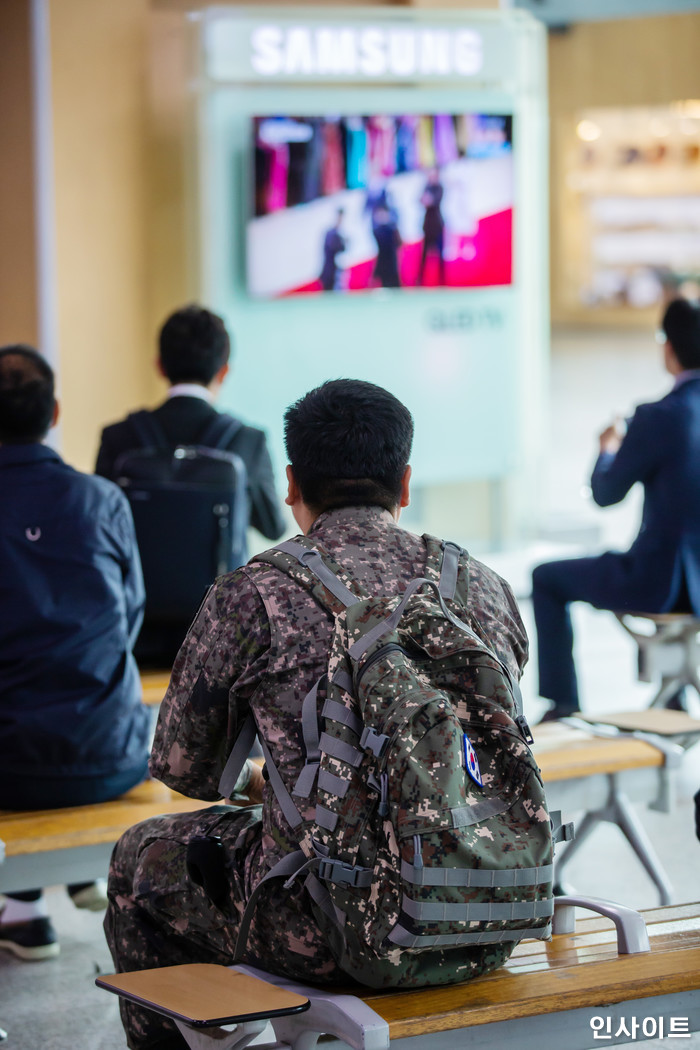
[261,641]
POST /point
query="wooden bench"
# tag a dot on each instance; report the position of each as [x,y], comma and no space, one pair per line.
[549,994]
[57,846]
[153,686]
[598,770]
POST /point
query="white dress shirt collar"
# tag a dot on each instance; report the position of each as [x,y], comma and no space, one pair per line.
[191,390]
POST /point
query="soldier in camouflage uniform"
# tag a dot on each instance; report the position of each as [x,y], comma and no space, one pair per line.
[260,641]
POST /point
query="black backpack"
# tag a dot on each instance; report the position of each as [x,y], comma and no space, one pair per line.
[191,511]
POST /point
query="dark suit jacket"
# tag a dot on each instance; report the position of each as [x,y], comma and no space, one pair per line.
[662,451]
[183,420]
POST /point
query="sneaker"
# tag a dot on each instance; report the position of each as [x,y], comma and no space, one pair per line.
[32,940]
[93,897]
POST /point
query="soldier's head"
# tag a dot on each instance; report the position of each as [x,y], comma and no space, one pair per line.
[194,347]
[28,407]
[681,327]
[348,444]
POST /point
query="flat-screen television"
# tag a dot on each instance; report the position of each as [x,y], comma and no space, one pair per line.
[348,204]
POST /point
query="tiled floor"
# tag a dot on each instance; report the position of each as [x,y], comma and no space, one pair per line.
[55,1005]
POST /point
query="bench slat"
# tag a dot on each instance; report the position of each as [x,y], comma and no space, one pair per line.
[563,753]
[529,994]
[566,973]
[154,685]
[38,831]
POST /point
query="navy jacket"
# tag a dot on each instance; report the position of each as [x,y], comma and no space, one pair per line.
[662,451]
[71,602]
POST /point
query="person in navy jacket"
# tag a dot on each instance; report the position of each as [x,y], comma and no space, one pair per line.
[73,729]
[661,570]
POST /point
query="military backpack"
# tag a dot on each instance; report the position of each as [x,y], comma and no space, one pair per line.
[431,833]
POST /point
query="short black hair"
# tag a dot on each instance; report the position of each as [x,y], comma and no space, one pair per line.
[26,395]
[681,326]
[348,443]
[193,345]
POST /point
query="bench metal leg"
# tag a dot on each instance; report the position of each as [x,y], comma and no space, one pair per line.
[346,1017]
[618,810]
[670,687]
[221,1038]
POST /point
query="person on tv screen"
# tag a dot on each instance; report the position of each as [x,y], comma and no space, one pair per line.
[386,234]
[433,224]
[333,245]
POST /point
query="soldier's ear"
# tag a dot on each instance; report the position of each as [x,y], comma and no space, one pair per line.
[293,491]
[405,487]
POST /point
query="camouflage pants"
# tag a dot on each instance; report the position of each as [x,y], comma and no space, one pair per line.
[159,917]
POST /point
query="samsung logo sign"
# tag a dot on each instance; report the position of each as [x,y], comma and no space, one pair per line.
[365,52]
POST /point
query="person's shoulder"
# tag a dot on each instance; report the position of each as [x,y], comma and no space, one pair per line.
[236,594]
[123,426]
[102,492]
[91,499]
[652,414]
[245,429]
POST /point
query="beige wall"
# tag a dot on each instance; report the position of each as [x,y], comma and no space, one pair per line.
[99,55]
[631,62]
[18,317]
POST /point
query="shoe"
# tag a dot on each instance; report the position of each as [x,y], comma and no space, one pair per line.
[32,940]
[553,715]
[92,897]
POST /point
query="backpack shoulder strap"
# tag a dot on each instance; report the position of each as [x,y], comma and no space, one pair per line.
[220,431]
[314,569]
[448,565]
[147,429]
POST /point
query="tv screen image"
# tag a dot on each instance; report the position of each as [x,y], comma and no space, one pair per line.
[348,204]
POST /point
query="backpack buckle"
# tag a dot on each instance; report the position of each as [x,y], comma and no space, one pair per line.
[347,874]
[373,741]
[525,731]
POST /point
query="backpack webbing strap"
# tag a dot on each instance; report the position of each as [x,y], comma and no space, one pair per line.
[289,810]
[560,832]
[236,760]
[312,560]
[338,712]
[449,570]
[148,430]
[391,622]
[220,431]
[311,733]
[405,939]
[468,816]
[512,911]
[495,878]
[320,895]
[288,866]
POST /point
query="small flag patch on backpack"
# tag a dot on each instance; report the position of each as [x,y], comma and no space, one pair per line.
[471,762]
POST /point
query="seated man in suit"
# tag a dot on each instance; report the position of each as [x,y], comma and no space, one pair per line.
[194,350]
[661,570]
[73,730]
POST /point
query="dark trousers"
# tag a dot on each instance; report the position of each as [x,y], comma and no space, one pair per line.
[554,586]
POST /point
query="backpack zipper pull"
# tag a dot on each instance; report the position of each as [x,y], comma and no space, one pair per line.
[383,809]
[417,854]
[525,731]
